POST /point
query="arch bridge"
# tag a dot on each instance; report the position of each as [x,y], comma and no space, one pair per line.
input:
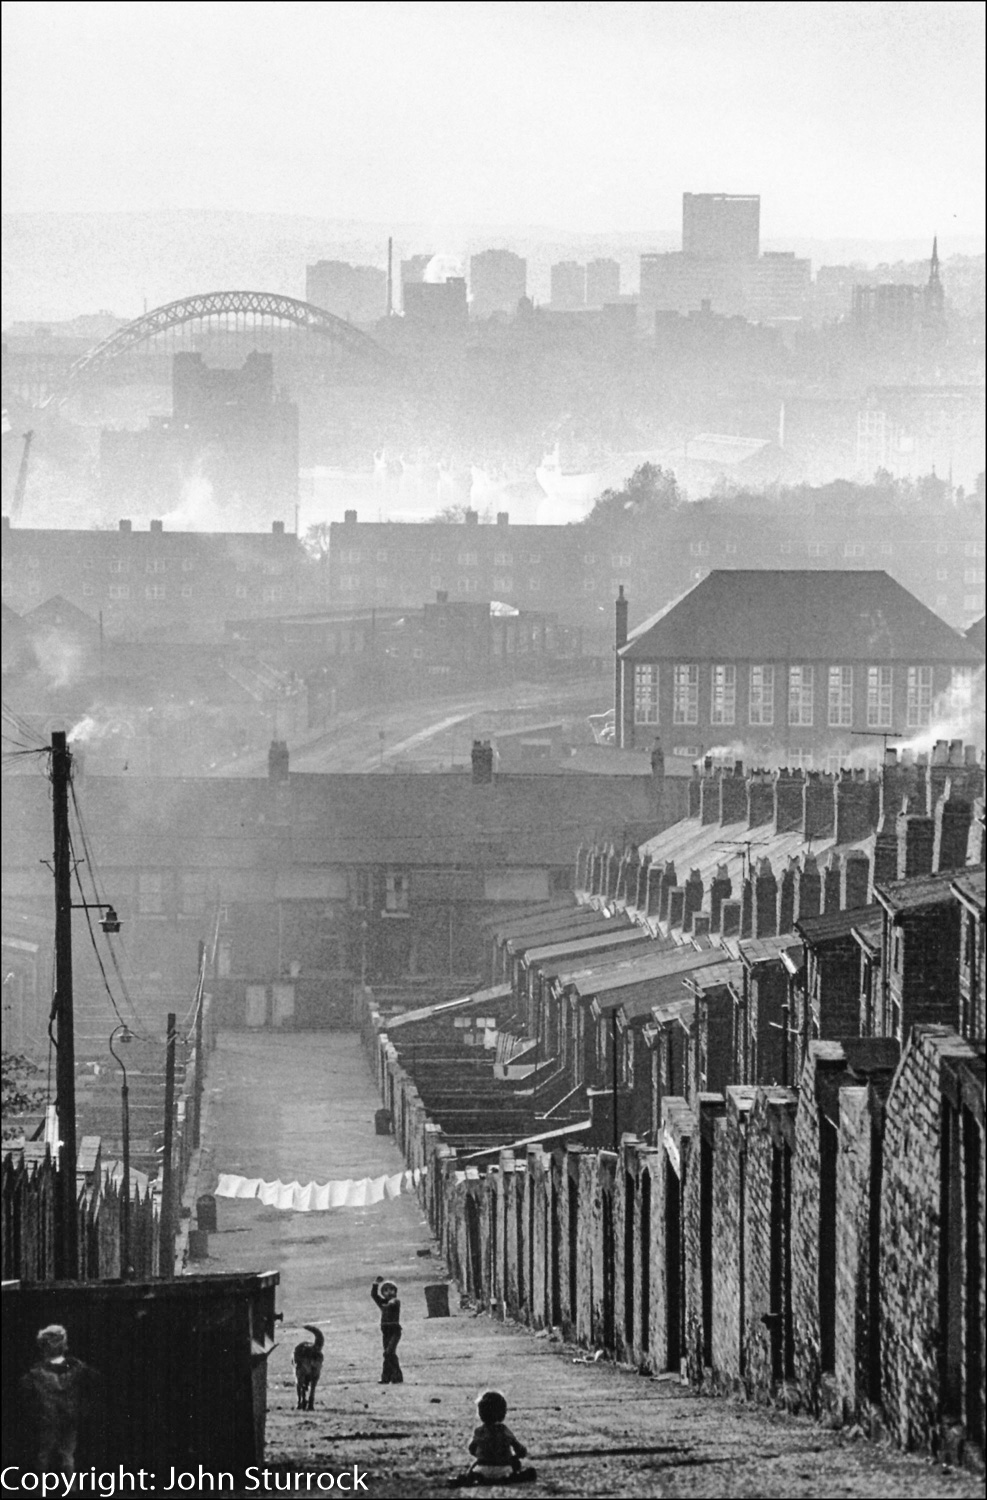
[219,306]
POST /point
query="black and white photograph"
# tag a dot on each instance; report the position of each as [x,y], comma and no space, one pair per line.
[493,819]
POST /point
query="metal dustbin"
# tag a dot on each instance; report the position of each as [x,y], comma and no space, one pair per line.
[383,1122]
[205,1213]
[198,1244]
[437,1299]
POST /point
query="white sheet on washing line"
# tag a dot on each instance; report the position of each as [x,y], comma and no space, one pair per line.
[318,1197]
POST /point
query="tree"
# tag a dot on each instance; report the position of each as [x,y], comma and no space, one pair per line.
[316,541]
[649,491]
[22,1093]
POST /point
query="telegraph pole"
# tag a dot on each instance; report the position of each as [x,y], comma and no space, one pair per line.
[166,1256]
[61,771]
[199,1063]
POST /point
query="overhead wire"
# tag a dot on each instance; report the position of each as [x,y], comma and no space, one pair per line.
[92,939]
[93,876]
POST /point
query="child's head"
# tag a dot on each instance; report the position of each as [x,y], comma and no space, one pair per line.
[53,1341]
[491,1407]
[388,1289]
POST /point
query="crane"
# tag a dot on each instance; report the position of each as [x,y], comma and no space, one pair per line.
[17,504]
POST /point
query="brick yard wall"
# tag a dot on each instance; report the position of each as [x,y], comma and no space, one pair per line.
[798,1247]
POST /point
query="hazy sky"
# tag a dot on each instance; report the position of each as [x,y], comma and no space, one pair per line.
[861,119]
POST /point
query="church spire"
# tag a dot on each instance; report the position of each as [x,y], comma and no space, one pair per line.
[934,262]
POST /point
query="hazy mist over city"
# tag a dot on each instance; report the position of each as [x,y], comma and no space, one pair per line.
[494,746]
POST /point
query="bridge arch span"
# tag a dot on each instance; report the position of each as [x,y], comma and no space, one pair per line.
[203,305]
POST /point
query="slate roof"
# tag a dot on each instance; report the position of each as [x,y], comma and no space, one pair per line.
[970,888]
[703,846]
[662,966]
[549,957]
[836,924]
[582,921]
[766,950]
[919,891]
[341,819]
[791,615]
[976,634]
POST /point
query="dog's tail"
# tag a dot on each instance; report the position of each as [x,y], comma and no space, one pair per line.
[318,1337]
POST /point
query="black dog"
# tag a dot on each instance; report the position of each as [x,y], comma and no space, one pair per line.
[307,1361]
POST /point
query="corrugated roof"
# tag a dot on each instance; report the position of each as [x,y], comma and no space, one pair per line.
[919,890]
[798,615]
[659,966]
[836,924]
[617,962]
[582,922]
[595,943]
[674,990]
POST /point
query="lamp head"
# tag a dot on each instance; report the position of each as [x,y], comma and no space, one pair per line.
[110,922]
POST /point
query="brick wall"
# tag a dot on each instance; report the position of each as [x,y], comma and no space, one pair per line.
[728,1173]
[912,1338]
[857,1356]
[767,1313]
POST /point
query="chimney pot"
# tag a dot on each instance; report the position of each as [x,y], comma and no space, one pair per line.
[126,525]
[349,517]
[277,528]
[503,518]
[157,526]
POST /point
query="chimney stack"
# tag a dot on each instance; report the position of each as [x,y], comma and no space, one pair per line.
[482,761]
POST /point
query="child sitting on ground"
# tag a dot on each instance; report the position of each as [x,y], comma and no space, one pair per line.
[497,1454]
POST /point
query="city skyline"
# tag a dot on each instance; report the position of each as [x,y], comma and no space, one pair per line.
[583,118]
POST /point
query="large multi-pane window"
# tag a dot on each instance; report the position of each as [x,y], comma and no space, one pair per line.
[918,710]
[762,695]
[645,694]
[800,696]
[961,690]
[880,698]
[723,694]
[840,697]
[685,693]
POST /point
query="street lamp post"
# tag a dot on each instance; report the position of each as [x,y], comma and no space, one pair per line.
[125,1267]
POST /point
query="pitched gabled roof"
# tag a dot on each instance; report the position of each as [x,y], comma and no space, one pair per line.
[812,615]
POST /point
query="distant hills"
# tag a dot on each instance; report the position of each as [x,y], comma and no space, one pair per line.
[56,266]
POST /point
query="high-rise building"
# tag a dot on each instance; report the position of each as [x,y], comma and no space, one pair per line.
[721,226]
[674,282]
[436,308]
[602,282]
[356,293]
[498,281]
[568,285]
[778,285]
